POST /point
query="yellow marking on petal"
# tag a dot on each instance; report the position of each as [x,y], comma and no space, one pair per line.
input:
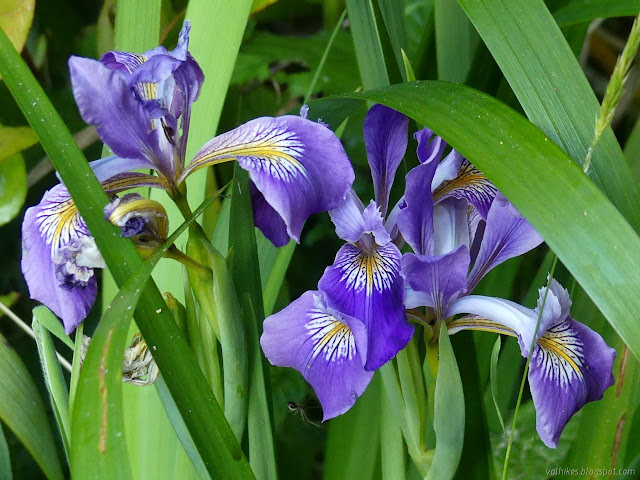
[338,328]
[131,180]
[481,324]
[469,177]
[556,347]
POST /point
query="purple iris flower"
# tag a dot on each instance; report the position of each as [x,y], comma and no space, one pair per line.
[571,364]
[140,105]
[365,286]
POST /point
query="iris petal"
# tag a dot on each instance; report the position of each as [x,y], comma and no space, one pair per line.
[326,346]
[369,286]
[385,138]
[470,184]
[298,165]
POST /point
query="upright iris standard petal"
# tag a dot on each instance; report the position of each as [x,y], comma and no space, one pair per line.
[507,234]
[326,346]
[415,218]
[438,280]
[385,138]
[106,101]
[137,100]
[367,285]
[298,165]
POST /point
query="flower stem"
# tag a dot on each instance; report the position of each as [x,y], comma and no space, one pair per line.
[526,370]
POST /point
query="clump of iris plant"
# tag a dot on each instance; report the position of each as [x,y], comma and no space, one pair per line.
[140,105]
[459,227]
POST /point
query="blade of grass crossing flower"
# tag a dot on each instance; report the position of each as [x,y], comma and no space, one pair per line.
[392,454]
[205,420]
[368,44]
[495,138]
[448,420]
[556,96]
[493,378]
[5,458]
[53,377]
[353,439]
[578,11]
[456,41]
[526,370]
[22,410]
[323,59]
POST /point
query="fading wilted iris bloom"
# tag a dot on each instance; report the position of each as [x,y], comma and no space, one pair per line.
[140,105]
[571,364]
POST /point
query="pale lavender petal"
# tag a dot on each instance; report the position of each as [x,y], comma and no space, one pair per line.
[348,218]
[326,346]
[385,137]
[299,166]
[447,169]
[507,234]
[570,366]
[470,184]
[374,224]
[438,279]
[369,287]
[521,320]
[450,225]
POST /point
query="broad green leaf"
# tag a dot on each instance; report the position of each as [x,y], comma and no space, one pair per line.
[368,44]
[5,459]
[53,377]
[632,151]
[13,187]
[245,271]
[554,93]
[448,417]
[393,18]
[353,438]
[15,19]
[22,410]
[137,26]
[550,190]
[15,139]
[577,11]
[276,277]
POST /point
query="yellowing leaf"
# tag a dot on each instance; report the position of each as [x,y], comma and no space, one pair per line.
[15,139]
[15,19]
[259,5]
